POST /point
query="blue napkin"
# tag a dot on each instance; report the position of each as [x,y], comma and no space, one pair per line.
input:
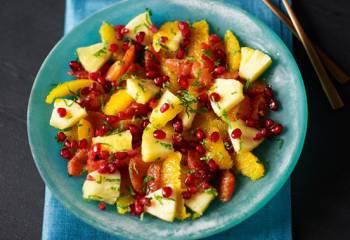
[273,222]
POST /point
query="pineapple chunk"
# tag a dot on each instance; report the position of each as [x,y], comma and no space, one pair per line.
[248,164]
[199,202]
[102,187]
[74,113]
[231,93]
[108,35]
[187,117]
[118,102]
[142,90]
[153,149]
[118,142]
[217,151]
[233,51]
[169,30]
[245,143]
[85,130]
[70,88]
[253,64]
[140,23]
[93,57]
[160,119]
[161,207]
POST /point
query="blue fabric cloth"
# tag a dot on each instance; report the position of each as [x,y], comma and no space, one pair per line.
[273,222]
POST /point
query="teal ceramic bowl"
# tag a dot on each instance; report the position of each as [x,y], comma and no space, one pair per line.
[249,196]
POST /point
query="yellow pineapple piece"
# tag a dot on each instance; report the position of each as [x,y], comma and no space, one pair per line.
[248,164]
[94,56]
[69,88]
[199,35]
[233,51]
[169,30]
[118,142]
[217,151]
[142,90]
[85,130]
[140,23]
[153,149]
[118,102]
[253,64]
[160,119]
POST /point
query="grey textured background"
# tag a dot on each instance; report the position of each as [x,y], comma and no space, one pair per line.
[320,191]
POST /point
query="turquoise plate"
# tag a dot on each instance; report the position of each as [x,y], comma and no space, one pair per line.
[249,197]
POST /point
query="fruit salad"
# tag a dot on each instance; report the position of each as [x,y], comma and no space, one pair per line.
[160,120]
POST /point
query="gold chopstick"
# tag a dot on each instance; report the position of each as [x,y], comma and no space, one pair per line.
[339,74]
[328,87]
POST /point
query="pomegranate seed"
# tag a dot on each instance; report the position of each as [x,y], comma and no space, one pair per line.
[104,155]
[124,30]
[192,189]
[213,38]
[73,144]
[177,138]
[236,133]
[145,123]
[102,206]
[219,70]
[96,148]
[183,82]
[277,129]
[163,39]
[140,36]
[65,153]
[85,91]
[205,185]
[215,136]
[94,75]
[258,136]
[215,97]
[200,135]
[105,128]
[122,116]
[103,169]
[125,46]
[186,195]
[164,107]
[120,155]
[159,134]
[83,143]
[250,123]
[264,132]
[138,208]
[111,119]
[153,103]
[200,149]
[62,112]
[75,65]
[167,191]
[189,180]
[183,25]
[203,98]
[158,81]
[180,54]
[113,47]
[268,92]
[153,28]
[61,136]
[165,78]
[67,144]
[145,201]
[219,53]
[151,74]
[269,123]
[212,165]
[99,132]
[133,129]
[112,168]
[177,125]
[273,105]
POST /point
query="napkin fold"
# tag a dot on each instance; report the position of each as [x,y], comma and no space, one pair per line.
[272,222]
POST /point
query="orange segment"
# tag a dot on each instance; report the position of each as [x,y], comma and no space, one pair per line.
[233,51]
[118,102]
[199,35]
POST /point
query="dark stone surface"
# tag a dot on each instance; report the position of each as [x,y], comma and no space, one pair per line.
[321,185]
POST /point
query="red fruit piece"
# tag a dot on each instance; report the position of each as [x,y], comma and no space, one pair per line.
[153,176]
[137,170]
[226,185]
